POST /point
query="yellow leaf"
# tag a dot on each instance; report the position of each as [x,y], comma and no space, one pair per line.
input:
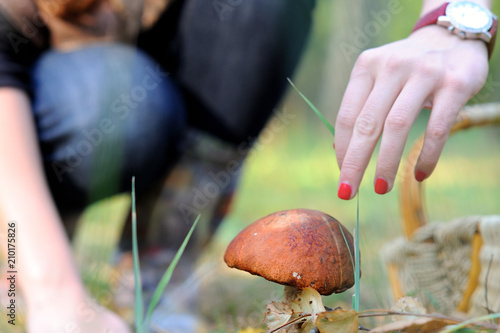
[345,321]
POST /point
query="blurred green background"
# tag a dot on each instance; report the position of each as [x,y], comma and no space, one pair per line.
[296,168]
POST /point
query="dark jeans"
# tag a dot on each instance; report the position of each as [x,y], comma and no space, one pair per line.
[104,114]
[107,112]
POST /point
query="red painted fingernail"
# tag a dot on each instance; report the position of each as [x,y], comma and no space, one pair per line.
[334,146]
[420,176]
[345,191]
[381,186]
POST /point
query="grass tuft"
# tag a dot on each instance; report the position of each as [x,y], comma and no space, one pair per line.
[141,322]
[168,274]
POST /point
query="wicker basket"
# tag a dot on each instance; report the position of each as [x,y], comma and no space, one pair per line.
[446,265]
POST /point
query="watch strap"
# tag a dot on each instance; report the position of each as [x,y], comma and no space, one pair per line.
[432,18]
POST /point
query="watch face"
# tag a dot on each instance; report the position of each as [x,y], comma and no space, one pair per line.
[469,16]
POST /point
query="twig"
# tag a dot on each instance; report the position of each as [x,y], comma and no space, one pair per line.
[292,322]
[451,320]
[470,322]
[382,312]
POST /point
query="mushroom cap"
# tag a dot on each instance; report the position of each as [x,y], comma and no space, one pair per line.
[299,248]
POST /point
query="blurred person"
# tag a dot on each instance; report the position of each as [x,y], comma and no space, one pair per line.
[86,107]
[179,107]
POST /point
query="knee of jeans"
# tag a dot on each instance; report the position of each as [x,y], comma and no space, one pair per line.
[105,111]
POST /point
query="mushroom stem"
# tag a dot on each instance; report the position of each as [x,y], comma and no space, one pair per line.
[290,294]
[303,305]
[308,300]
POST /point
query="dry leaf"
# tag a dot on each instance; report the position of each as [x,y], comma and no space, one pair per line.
[408,304]
[308,302]
[420,325]
[345,321]
[278,314]
[308,326]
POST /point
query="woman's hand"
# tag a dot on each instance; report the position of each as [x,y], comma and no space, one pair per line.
[388,87]
[70,315]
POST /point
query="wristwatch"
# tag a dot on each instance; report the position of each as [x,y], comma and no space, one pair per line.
[466,19]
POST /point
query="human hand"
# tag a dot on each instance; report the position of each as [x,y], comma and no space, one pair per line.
[388,87]
[80,316]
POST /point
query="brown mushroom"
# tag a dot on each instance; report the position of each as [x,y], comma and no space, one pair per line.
[298,248]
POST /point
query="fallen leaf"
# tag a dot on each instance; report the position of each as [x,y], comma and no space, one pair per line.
[307,327]
[420,325]
[345,321]
[278,314]
[293,326]
[298,315]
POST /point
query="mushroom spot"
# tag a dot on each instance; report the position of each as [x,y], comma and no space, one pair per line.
[295,274]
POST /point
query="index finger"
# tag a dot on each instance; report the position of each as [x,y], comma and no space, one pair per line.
[358,89]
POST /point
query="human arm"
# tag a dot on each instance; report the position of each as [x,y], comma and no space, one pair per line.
[389,86]
[46,271]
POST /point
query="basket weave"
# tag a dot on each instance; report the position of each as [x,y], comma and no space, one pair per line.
[446,265]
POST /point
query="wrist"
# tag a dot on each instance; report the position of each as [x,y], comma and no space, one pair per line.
[438,38]
[466,19]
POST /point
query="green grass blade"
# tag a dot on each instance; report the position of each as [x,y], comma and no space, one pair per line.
[139,310]
[311,105]
[356,257]
[456,328]
[348,248]
[168,274]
